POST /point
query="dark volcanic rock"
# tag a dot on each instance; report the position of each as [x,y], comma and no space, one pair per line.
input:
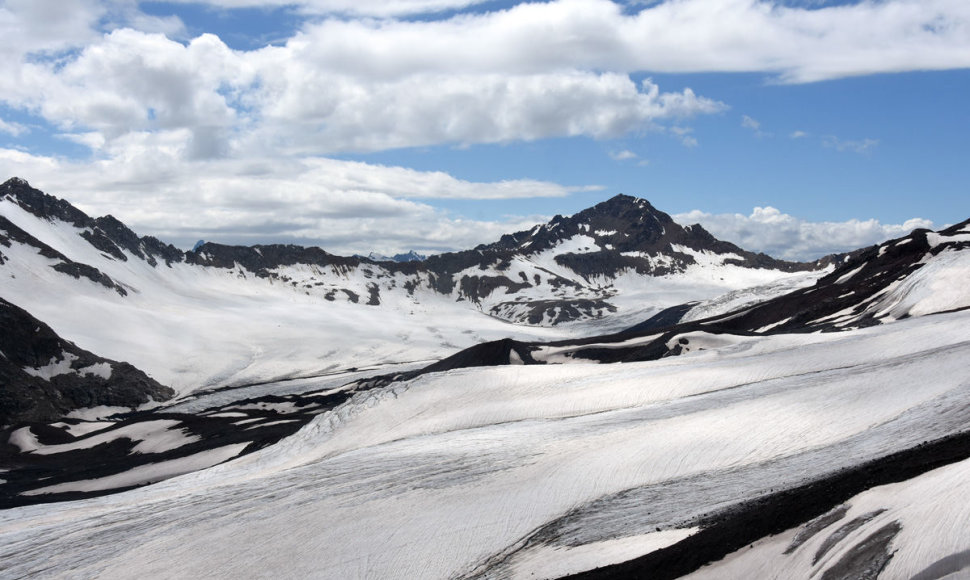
[27,393]
[261,259]
[107,234]
[628,224]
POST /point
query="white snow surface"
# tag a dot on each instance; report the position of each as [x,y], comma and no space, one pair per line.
[270,330]
[62,366]
[453,474]
[148,473]
[265,330]
[152,436]
[931,509]
[939,285]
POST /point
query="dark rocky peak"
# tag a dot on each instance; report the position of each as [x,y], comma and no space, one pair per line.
[627,208]
[261,259]
[410,256]
[962,227]
[42,205]
[624,222]
[107,234]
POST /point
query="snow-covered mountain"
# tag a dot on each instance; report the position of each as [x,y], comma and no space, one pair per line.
[410,256]
[785,422]
[284,311]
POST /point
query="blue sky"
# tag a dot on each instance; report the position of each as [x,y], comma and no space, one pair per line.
[797,128]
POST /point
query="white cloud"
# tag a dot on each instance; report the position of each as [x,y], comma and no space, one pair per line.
[343,206]
[378,8]
[15,129]
[755,126]
[684,134]
[797,44]
[342,114]
[171,123]
[781,235]
[360,84]
[859,146]
[623,155]
[798,134]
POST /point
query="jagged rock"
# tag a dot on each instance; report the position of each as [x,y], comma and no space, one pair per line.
[43,377]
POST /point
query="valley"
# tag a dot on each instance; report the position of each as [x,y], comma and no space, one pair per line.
[607,395]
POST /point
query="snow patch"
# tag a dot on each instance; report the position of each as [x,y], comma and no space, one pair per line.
[148,473]
[848,275]
[548,562]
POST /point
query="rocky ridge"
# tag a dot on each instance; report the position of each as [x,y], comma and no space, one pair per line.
[561,271]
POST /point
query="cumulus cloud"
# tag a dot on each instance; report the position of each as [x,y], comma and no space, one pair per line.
[792,42]
[684,134]
[532,71]
[780,235]
[419,110]
[379,8]
[172,122]
[342,206]
[10,128]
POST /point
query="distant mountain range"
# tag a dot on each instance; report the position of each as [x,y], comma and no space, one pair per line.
[410,256]
[620,258]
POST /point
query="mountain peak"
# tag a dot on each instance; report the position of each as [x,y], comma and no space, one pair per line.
[40,204]
[15,182]
[624,202]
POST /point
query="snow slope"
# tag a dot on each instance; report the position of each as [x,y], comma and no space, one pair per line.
[539,471]
[193,326]
[174,316]
[924,519]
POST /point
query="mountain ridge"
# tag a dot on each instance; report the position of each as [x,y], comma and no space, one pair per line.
[578,257]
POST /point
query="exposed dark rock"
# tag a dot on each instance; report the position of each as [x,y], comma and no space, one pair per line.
[552,311]
[375,295]
[867,559]
[625,234]
[738,527]
[104,233]
[815,526]
[28,344]
[475,288]
[91,273]
[9,231]
[664,318]
[498,352]
[844,530]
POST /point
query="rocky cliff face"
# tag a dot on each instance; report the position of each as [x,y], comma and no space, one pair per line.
[43,377]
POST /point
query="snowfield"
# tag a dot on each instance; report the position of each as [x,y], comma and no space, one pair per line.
[194,327]
[310,437]
[541,471]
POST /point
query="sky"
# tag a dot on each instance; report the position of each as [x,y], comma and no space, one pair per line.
[794,127]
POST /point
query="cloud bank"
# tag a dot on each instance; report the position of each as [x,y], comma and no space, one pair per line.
[190,135]
[768,230]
